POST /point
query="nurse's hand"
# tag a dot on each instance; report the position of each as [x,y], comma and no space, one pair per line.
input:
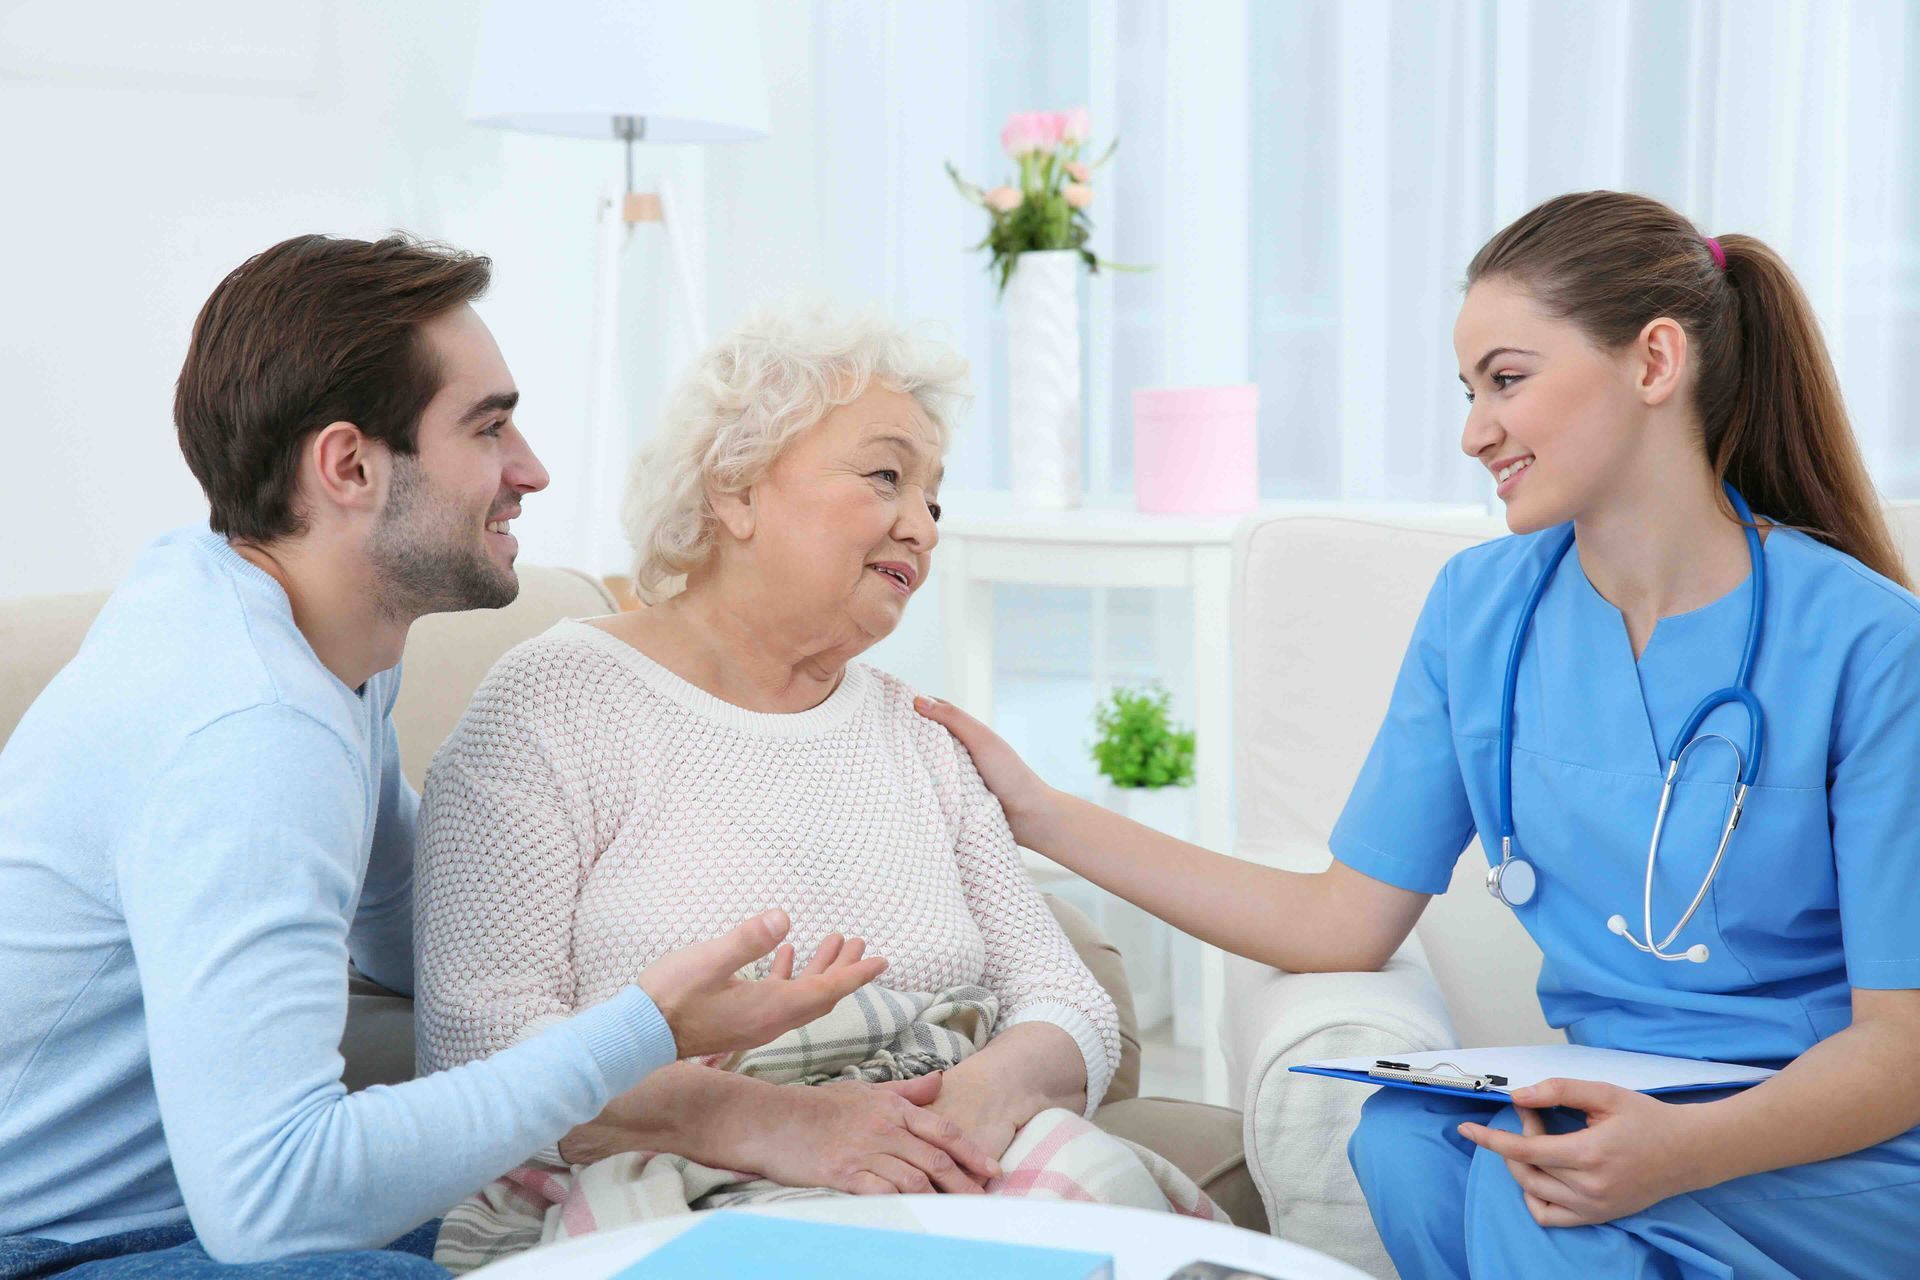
[1635,1152]
[1022,793]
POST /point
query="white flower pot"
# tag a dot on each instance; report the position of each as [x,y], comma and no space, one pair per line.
[1043,370]
[1166,809]
[1167,967]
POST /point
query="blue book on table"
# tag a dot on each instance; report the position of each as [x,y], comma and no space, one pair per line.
[731,1244]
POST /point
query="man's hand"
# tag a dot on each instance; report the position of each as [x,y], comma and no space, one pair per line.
[711,1010]
[867,1140]
[1635,1151]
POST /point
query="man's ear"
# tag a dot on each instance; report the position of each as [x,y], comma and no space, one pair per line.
[1662,354]
[734,511]
[348,469]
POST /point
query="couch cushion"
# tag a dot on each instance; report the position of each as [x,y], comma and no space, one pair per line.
[38,636]
[448,654]
[1323,607]
[1204,1142]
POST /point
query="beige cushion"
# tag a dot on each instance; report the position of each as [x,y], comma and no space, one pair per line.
[448,654]
[38,636]
[1202,1141]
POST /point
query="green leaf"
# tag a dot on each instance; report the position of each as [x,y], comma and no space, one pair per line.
[1138,745]
[967,189]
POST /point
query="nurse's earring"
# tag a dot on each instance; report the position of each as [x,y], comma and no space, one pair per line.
[1618,924]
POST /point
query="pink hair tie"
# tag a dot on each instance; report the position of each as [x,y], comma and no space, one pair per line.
[1719,254]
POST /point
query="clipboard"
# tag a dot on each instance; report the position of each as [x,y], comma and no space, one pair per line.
[1493,1074]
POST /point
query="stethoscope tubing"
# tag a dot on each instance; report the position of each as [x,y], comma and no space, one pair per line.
[1740,691]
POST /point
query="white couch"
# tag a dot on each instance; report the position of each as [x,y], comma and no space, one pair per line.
[1323,607]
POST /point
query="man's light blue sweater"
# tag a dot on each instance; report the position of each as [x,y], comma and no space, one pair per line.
[199,825]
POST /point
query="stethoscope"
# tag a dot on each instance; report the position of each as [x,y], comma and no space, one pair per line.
[1514,881]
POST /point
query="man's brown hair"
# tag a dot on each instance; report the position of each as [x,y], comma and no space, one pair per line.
[315,330]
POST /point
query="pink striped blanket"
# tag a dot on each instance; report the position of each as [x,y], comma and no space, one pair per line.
[873,1035]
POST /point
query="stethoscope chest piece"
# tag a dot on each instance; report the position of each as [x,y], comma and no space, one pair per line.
[1512,880]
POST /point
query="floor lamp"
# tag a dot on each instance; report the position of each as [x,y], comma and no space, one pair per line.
[632,72]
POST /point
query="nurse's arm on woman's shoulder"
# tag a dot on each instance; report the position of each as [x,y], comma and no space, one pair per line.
[1328,921]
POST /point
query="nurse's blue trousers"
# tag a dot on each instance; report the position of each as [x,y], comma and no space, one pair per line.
[1446,1207]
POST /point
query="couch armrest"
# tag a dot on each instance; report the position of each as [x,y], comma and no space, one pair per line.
[1296,1127]
[377,1044]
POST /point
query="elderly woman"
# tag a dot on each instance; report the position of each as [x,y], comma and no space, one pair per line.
[625,785]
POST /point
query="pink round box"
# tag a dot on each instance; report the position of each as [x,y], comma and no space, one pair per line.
[1196,449]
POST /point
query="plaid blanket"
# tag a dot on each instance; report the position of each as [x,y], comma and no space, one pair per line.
[873,1035]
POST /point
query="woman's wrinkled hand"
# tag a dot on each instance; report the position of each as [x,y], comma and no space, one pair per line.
[711,1009]
[1635,1152]
[868,1140]
[990,1117]
[1022,793]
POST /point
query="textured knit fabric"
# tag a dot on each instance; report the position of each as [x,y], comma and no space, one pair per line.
[199,825]
[593,811]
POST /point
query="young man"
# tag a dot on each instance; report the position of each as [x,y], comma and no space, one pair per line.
[202,818]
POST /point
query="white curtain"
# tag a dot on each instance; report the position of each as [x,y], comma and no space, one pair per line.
[1391,139]
[1308,179]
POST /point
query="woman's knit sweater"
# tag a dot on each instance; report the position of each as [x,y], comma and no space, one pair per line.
[594,811]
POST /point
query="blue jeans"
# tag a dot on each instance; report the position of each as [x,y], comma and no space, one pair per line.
[171,1252]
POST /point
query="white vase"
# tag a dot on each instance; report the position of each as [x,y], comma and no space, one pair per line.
[1043,378]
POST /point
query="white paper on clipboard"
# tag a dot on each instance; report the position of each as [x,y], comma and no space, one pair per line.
[1525,1065]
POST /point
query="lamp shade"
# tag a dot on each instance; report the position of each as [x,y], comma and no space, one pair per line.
[690,69]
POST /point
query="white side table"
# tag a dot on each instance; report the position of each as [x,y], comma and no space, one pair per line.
[985,539]
[1144,1246]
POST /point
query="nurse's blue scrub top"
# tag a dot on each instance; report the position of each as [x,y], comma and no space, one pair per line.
[1820,887]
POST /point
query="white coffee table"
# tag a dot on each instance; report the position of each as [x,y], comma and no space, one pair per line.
[1144,1246]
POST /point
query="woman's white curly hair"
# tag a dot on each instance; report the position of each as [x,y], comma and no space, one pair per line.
[747,397]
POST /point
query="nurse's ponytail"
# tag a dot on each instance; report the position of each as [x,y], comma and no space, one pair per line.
[1770,408]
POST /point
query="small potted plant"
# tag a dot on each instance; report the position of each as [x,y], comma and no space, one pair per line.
[1146,759]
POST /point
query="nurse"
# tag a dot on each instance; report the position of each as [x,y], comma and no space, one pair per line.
[1634,388]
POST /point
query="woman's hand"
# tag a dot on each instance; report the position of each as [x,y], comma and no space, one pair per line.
[1635,1151]
[1022,793]
[866,1139]
[988,1116]
[1020,1073]
[712,1010]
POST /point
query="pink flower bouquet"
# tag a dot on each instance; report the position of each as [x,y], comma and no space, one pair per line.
[1045,207]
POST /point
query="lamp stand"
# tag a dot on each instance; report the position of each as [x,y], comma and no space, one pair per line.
[602,541]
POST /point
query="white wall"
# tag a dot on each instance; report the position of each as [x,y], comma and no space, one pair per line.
[146,150]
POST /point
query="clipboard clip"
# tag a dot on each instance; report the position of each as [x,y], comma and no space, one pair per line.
[1444,1074]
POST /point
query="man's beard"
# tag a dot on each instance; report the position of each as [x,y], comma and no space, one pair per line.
[426,555]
